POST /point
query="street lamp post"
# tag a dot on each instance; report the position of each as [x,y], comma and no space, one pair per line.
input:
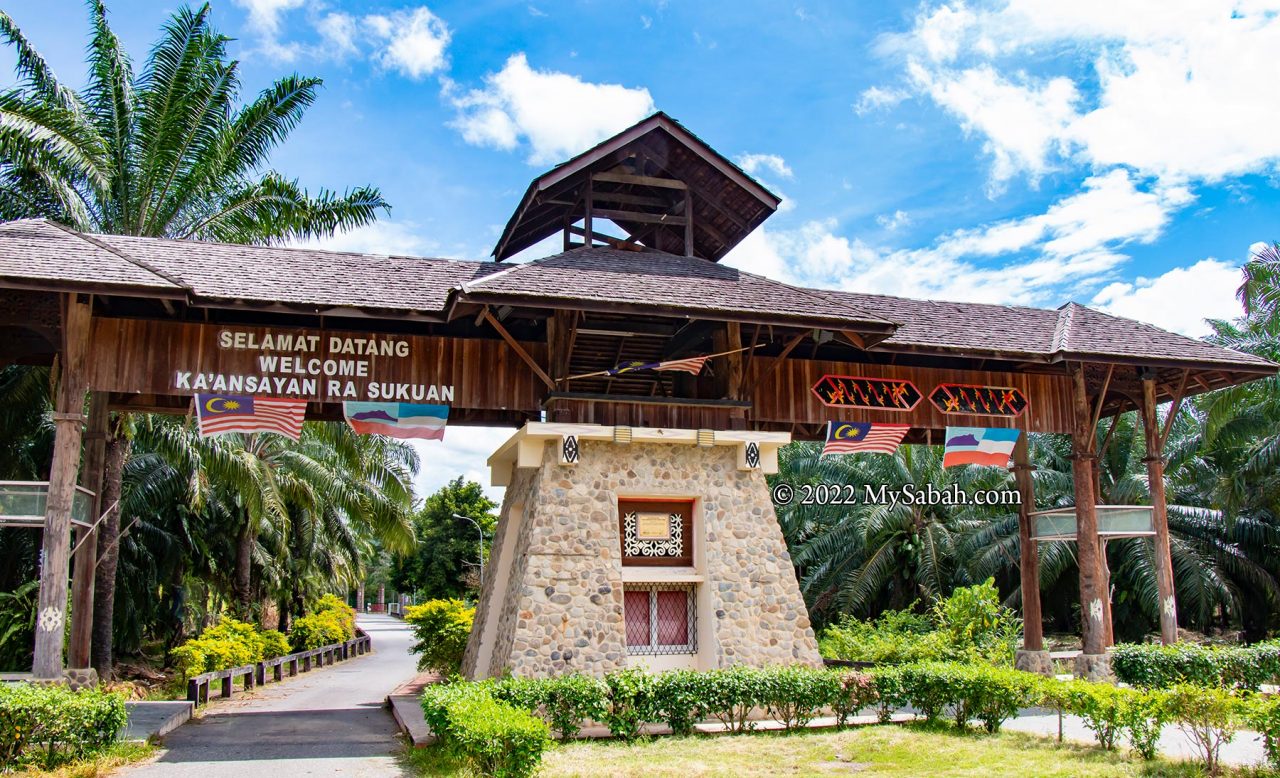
[480,531]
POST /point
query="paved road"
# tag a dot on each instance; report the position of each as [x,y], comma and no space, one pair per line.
[326,722]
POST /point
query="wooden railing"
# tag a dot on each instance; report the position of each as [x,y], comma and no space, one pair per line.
[257,674]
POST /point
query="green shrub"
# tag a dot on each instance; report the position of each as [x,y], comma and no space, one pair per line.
[1210,717]
[1101,706]
[345,614]
[890,691]
[676,700]
[441,628]
[563,702]
[330,621]
[18,626]
[274,644]
[994,694]
[854,692]
[49,725]
[1161,667]
[729,695]
[241,633]
[1264,717]
[969,626]
[794,694]
[496,738]
[1143,715]
[630,702]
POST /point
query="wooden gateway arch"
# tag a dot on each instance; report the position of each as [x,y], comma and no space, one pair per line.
[142,325]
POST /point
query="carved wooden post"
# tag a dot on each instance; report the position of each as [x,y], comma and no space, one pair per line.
[1093,662]
[86,556]
[1159,513]
[68,417]
[1032,657]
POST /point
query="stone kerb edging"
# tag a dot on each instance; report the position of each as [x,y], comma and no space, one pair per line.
[256,674]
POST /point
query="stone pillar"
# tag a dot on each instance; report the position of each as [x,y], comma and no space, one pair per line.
[68,418]
[1093,663]
[1031,657]
[552,601]
[1159,513]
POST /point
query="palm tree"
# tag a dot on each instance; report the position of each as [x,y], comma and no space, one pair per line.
[166,152]
[169,151]
[862,557]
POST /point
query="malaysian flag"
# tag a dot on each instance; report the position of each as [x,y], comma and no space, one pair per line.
[222,413]
[847,437]
[689,365]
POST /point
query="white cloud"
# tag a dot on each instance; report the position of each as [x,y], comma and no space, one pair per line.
[415,41]
[382,237]
[463,452]
[1179,300]
[878,98]
[264,21]
[1074,246]
[556,114]
[756,164]
[894,220]
[338,30]
[1173,93]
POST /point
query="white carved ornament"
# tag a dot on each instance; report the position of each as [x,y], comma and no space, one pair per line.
[633,545]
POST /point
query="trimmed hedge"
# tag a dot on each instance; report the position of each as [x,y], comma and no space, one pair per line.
[1161,667]
[496,738]
[625,701]
[50,725]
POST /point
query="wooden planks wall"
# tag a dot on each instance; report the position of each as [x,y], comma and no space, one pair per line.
[134,356]
[785,397]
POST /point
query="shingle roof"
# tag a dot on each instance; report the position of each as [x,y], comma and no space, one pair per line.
[35,250]
[1070,332]
[1086,332]
[303,276]
[42,253]
[654,278]
[969,327]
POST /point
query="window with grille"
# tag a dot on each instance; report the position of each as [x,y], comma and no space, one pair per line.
[660,619]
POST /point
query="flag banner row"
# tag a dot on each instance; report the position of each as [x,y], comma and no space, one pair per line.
[221,414]
[963,445]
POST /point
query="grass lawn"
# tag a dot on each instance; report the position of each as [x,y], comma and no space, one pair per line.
[886,750]
[103,764]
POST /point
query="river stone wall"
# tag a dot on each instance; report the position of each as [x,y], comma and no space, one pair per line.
[562,606]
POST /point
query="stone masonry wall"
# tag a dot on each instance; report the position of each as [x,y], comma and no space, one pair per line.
[562,610]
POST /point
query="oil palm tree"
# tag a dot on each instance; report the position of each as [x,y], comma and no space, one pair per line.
[859,558]
[168,151]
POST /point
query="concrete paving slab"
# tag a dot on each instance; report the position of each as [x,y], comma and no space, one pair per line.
[154,718]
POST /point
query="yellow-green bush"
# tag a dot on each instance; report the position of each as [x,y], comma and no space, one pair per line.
[229,643]
[331,621]
[49,725]
[441,628]
[274,644]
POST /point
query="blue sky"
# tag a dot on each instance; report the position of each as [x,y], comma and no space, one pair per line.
[1122,155]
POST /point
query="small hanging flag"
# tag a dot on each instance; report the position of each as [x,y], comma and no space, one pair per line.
[847,437]
[219,414]
[692,365]
[979,446]
[397,420]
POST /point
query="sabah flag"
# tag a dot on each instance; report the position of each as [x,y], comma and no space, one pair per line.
[979,446]
[397,420]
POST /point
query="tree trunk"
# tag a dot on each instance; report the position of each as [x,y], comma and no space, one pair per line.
[242,587]
[104,585]
[284,616]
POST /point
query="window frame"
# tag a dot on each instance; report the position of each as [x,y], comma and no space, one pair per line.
[653,647]
[684,507]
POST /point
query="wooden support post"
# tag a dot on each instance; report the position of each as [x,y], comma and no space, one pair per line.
[1092,608]
[688,224]
[488,316]
[1160,512]
[68,418]
[1104,568]
[587,213]
[86,556]
[1032,621]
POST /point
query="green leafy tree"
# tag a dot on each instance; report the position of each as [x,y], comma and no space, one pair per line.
[445,564]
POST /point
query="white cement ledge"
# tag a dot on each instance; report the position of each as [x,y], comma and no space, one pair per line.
[525,448]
